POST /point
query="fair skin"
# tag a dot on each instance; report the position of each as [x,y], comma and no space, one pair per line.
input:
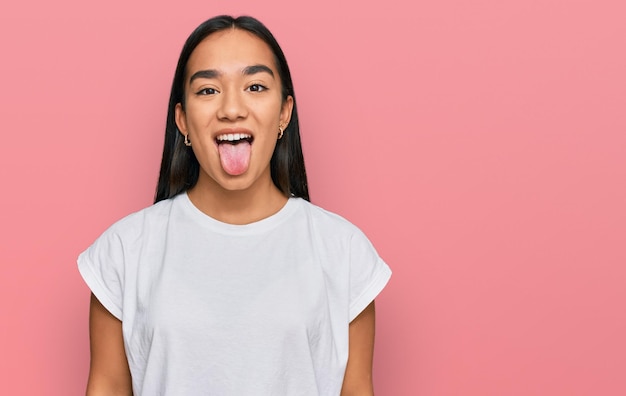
[109,374]
[232,87]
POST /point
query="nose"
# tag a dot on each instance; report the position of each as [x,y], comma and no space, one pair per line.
[232,106]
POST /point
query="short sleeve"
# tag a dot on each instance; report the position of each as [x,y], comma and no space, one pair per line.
[102,268]
[368,274]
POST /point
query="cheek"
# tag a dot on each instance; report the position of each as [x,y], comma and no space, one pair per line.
[199,116]
[269,112]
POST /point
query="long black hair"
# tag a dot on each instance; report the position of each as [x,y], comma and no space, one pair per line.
[179,165]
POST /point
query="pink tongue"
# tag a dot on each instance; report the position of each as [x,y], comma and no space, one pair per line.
[235,158]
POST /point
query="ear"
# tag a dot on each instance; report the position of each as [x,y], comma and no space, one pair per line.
[285,111]
[181,119]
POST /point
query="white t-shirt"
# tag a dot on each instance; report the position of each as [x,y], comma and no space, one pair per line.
[210,308]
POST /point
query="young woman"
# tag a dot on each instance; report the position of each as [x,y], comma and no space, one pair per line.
[232,283]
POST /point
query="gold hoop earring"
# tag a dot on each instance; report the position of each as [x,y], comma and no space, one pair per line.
[187,141]
[280,132]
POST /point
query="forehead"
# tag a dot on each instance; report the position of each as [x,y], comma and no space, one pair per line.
[230,50]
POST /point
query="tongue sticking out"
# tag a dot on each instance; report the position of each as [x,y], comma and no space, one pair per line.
[235,158]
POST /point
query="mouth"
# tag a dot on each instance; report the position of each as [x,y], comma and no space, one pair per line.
[233,138]
[235,150]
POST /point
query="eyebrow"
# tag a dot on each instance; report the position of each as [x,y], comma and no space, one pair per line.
[247,71]
[211,73]
[254,69]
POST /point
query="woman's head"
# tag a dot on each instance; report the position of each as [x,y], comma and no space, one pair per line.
[180,167]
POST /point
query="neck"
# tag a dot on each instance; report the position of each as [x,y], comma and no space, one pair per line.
[255,203]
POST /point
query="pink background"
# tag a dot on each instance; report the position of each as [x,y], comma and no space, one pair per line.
[480,144]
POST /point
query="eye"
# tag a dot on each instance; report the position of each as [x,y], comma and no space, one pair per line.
[257,88]
[207,91]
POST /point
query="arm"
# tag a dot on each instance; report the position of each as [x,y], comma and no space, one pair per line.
[358,378]
[109,373]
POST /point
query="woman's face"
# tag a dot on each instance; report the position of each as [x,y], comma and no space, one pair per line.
[233,109]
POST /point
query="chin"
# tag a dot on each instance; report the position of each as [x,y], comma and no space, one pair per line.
[236,183]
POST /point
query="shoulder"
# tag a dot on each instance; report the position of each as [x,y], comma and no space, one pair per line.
[128,235]
[331,228]
[140,222]
[328,220]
